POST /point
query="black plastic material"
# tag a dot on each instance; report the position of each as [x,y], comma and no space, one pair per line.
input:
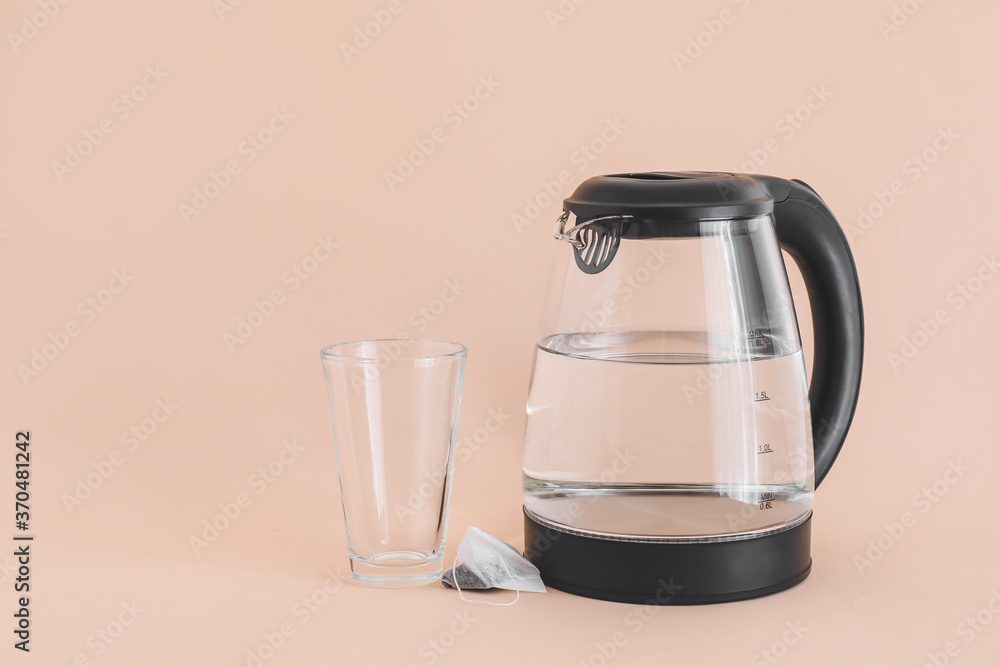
[668,573]
[808,231]
[670,197]
[600,245]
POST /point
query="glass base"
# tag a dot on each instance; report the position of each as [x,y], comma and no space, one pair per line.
[396,569]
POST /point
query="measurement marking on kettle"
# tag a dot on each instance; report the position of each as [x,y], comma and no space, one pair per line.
[764,449]
[756,338]
[759,396]
[766,500]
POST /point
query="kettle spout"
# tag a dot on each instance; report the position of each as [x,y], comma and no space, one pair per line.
[595,241]
[560,234]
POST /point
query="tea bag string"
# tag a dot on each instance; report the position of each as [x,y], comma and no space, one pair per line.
[492,604]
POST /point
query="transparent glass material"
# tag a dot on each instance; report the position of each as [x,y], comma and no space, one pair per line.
[394,408]
[668,398]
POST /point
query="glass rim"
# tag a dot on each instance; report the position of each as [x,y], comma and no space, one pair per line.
[329,352]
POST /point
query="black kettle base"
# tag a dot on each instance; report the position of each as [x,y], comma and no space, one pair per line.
[668,573]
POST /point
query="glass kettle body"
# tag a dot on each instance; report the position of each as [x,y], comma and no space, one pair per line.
[668,415]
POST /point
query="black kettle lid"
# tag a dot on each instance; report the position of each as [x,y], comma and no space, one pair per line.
[671,196]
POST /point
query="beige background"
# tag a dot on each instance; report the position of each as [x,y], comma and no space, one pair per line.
[885,81]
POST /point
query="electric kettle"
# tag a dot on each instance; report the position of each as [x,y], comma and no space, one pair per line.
[672,442]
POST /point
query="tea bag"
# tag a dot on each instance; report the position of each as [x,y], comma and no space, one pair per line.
[484,562]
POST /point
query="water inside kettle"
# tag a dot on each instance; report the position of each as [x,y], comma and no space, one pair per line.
[659,435]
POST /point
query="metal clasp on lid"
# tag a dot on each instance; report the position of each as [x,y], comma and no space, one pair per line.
[596,240]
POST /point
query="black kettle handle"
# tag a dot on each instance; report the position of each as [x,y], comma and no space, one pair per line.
[809,232]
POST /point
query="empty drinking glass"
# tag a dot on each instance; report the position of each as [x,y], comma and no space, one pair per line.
[394,407]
